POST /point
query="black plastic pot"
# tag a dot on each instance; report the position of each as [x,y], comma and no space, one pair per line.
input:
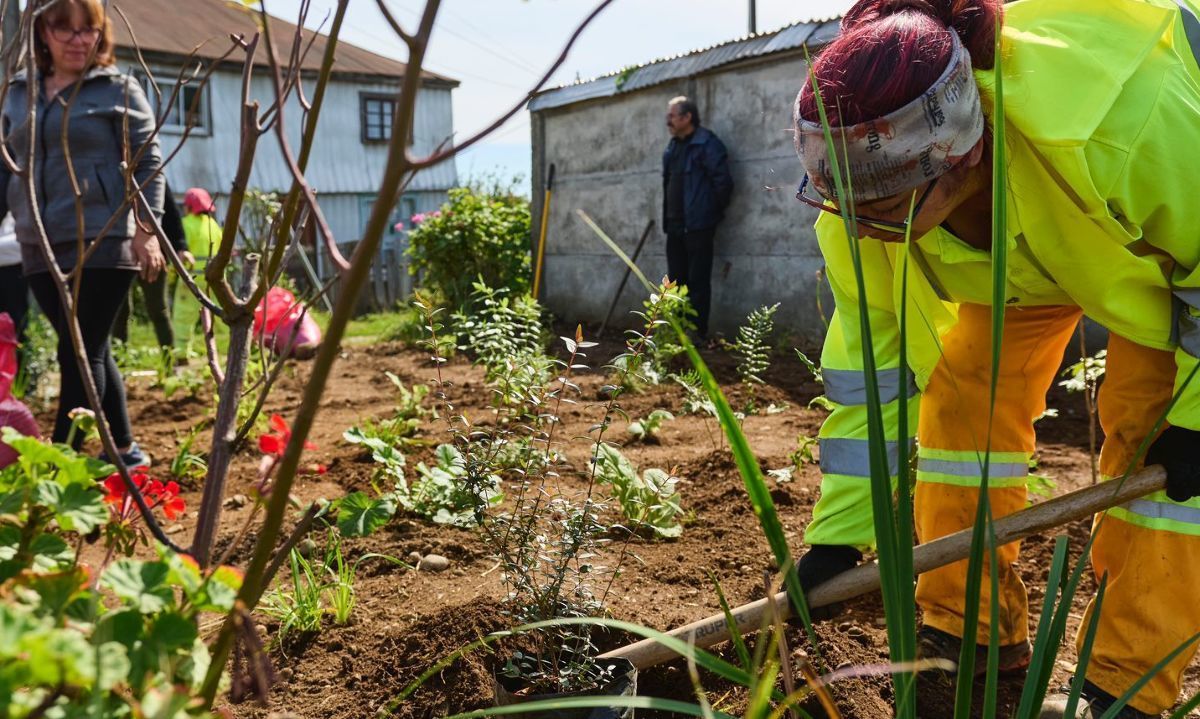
[623,685]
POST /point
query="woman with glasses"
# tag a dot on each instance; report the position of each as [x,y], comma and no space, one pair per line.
[1102,123]
[93,144]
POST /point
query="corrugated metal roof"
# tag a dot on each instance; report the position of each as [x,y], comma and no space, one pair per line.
[814,32]
[172,27]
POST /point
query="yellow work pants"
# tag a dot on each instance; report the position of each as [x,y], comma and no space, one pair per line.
[1147,548]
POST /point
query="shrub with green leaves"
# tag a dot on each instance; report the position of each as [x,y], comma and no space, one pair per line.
[649,501]
[477,234]
[505,334]
[753,350]
[646,429]
[651,366]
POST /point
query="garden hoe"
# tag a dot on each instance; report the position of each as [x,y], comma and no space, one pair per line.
[1047,515]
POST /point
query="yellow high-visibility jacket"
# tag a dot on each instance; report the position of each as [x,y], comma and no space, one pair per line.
[1102,113]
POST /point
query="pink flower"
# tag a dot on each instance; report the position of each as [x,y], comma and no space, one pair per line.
[418,218]
[436,213]
[398,227]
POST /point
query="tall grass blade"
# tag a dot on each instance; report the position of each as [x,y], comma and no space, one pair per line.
[1085,652]
[739,645]
[1044,648]
[1186,708]
[983,514]
[889,545]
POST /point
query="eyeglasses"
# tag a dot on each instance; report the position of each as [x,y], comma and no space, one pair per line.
[884,225]
[65,33]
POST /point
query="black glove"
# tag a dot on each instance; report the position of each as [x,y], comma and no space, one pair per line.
[1178,451]
[820,564]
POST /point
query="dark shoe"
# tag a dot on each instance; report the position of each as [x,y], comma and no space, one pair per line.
[936,644]
[820,564]
[133,459]
[1093,703]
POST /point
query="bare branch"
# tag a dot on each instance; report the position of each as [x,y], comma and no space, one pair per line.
[210,346]
[391,19]
[437,157]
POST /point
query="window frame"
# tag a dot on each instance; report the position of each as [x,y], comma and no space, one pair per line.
[364,98]
[203,115]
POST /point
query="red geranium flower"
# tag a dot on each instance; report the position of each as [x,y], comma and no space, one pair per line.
[155,492]
[275,444]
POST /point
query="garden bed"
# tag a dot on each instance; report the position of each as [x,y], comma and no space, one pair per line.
[406,620]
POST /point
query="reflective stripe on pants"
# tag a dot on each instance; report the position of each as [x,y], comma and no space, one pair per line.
[953,434]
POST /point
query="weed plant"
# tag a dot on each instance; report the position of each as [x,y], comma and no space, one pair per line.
[753,351]
[646,429]
[649,501]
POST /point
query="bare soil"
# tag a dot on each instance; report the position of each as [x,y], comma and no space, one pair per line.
[406,620]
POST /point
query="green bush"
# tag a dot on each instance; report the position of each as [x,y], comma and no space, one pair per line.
[477,235]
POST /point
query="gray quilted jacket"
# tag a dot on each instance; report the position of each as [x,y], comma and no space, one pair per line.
[110,120]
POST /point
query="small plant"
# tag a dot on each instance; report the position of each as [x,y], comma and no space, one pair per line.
[447,493]
[1084,375]
[812,366]
[803,454]
[409,401]
[646,429]
[188,464]
[651,366]
[297,608]
[340,590]
[504,334]
[648,501]
[753,350]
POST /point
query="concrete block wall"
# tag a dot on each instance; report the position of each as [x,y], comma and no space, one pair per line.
[607,154]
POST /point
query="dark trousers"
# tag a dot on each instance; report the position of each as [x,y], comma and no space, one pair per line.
[158,307]
[14,297]
[689,262]
[102,292]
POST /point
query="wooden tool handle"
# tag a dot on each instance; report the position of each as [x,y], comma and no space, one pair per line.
[1050,514]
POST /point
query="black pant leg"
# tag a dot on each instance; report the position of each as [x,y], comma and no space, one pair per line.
[700,261]
[155,294]
[101,294]
[677,258]
[14,297]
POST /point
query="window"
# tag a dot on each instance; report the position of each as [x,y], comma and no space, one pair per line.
[377,117]
[185,109]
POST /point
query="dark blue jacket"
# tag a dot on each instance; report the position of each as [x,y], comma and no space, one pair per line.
[707,183]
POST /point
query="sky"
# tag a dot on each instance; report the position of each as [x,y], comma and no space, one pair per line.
[498,49]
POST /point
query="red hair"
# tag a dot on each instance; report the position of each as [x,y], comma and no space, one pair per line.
[891,51]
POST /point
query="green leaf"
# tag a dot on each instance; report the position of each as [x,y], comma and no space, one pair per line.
[58,590]
[50,551]
[125,626]
[359,515]
[171,630]
[77,508]
[142,585]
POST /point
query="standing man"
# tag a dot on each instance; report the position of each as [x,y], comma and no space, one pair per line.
[696,190]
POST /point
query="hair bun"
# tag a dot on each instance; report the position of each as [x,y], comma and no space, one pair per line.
[973,20]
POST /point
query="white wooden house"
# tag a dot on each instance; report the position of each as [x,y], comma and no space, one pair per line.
[349,155]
